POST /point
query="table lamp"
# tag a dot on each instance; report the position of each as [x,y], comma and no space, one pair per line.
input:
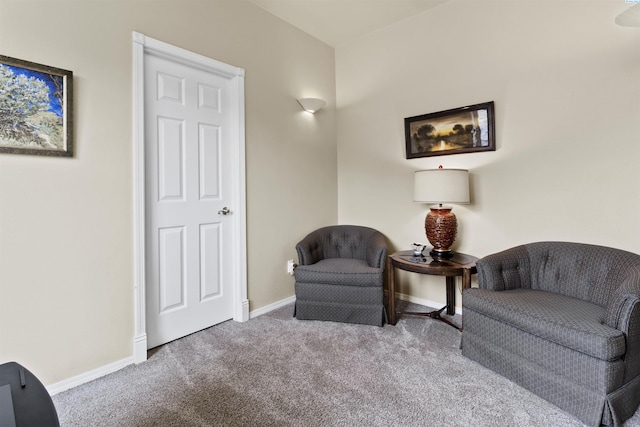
[441,186]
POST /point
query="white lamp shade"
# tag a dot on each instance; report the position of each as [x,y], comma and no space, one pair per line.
[312,104]
[441,186]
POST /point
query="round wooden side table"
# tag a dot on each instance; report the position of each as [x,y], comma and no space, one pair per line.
[458,265]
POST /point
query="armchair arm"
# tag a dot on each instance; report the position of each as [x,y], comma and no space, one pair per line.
[505,270]
[376,251]
[310,249]
[623,313]
[623,300]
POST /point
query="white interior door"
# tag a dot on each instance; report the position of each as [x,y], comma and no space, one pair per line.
[189,198]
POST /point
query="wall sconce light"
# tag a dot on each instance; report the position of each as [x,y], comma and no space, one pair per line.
[312,104]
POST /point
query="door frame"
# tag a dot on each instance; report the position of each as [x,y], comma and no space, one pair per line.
[143,45]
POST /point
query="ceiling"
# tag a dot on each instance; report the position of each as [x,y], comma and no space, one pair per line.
[337,22]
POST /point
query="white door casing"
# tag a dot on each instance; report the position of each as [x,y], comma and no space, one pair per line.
[176,213]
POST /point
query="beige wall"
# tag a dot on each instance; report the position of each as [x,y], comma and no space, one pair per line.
[566,84]
[66,227]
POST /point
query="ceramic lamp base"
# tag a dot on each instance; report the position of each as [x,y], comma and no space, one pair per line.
[441,226]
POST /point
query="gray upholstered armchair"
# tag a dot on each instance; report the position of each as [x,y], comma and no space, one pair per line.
[340,275]
[563,321]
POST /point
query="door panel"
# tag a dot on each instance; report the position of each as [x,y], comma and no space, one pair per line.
[209,155]
[187,183]
[172,268]
[171,177]
[210,283]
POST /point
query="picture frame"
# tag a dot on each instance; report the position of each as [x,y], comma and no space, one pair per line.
[36,109]
[467,129]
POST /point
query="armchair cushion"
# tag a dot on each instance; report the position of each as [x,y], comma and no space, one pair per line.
[340,271]
[567,321]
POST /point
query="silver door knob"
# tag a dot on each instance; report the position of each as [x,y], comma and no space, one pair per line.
[224,211]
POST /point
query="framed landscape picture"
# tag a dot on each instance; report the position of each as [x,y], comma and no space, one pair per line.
[462,130]
[36,105]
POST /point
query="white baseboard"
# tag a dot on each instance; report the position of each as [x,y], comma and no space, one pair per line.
[271,307]
[89,376]
[428,303]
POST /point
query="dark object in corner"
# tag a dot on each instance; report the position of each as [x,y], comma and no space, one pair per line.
[24,401]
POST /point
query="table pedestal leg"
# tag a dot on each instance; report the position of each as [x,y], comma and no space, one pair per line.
[451,295]
[450,307]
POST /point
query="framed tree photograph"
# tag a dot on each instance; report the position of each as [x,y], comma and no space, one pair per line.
[461,130]
[36,105]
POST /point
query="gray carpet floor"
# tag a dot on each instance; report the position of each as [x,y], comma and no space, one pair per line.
[278,371]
